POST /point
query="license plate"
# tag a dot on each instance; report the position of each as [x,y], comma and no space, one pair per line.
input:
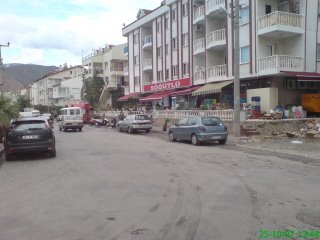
[216,137]
[30,137]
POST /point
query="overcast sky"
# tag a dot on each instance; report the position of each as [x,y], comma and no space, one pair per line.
[54,32]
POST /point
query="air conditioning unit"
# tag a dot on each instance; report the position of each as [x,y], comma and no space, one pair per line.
[302,85]
[291,84]
[198,27]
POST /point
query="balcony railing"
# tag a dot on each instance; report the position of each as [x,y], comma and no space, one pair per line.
[116,68]
[198,14]
[280,18]
[279,63]
[198,46]
[212,5]
[147,41]
[216,37]
[147,64]
[216,72]
[199,77]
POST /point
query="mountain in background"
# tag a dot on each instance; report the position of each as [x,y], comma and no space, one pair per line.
[17,76]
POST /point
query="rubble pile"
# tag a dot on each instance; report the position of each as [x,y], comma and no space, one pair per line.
[311,129]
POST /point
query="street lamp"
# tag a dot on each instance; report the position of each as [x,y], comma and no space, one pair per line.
[1,68]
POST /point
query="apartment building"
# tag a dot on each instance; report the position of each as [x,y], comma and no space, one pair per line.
[110,64]
[58,87]
[186,47]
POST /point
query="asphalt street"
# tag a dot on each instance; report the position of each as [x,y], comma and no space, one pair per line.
[109,185]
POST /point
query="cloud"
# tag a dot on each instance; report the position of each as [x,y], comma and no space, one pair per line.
[77,27]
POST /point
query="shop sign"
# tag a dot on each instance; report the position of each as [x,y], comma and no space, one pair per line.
[185,82]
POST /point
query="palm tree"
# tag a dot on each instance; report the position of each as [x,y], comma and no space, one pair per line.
[8,110]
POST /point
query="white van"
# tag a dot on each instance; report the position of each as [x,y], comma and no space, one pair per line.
[71,118]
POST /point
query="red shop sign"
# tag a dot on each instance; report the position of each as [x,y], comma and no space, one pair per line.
[185,82]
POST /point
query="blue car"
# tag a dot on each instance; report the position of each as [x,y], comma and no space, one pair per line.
[199,129]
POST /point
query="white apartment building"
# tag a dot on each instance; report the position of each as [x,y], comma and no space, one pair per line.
[55,88]
[189,43]
[110,64]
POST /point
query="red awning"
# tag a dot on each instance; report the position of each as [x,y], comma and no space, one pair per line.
[185,91]
[126,97]
[156,96]
[304,76]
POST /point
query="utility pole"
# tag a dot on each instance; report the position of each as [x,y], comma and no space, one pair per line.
[236,62]
[1,68]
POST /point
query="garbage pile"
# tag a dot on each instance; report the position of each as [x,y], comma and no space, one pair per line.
[311,129]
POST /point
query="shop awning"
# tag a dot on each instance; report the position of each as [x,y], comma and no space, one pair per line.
[156,96]
[304,76]
[185,91]
[211,88]
[127,97]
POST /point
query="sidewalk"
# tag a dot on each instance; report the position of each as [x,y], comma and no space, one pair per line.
[303,148]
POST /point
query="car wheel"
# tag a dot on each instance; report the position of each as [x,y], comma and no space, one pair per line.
[53,153]
[171,137]
[194,139]
[64,129]
[148,130]
[119,129]
[80,129]
[222,142]
[7,155]
[130,130]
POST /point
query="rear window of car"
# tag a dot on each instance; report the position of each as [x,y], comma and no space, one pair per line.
[141,117]
[211,121]
[29,125]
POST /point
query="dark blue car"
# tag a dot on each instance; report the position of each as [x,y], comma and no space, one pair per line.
[199,129]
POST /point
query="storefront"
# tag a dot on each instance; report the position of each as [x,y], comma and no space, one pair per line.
[183,99]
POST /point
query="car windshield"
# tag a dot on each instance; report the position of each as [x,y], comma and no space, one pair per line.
[30,125]
[141,117]
[211,121]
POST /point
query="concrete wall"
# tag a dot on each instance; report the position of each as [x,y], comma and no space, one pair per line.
[269,97]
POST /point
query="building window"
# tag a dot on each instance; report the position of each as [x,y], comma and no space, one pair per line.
[136,81]
[185,68]
[136,60]
[185,9]
[269,50]
[185,39]
[159,51]
[244,15]
[159,75]
[175,70]
[167,48]
[174,43]
[244,54]
[318,52]
[167,74]
[136,38]
[158,26]
[166,23]
[173,14]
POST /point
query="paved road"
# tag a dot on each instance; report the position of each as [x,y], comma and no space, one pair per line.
[109,185]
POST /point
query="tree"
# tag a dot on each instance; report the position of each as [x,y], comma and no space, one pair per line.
[92,89]
[23,101]
[8,110]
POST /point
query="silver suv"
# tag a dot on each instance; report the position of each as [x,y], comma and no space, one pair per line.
[133,123]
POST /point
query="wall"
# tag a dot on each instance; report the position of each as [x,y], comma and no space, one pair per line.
[269,97]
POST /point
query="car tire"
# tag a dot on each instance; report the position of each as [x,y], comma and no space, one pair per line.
[64,129]
[194,139]
[119,129]
[53,153]
[7,155]
[148,130]
[222,142]
[80,129]
[171,137]
[130,131]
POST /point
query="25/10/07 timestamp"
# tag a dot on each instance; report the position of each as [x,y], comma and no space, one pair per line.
[303,234]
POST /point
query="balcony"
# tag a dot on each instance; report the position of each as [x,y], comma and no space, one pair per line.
[198,15]
[280,25]
[216,73]
[216,40]
[275,64]
[147,42]
[125,71]
[199,46]
[199,77]
[147,64]
[216,8]
[125,51]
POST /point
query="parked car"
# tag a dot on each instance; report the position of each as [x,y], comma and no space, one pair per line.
[132,123]
[32,134]
[199,129]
